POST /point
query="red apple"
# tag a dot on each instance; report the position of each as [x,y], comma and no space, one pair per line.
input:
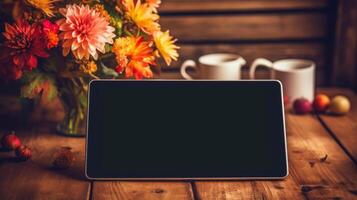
[23,153]
[321,103]
[302,106]
[10,141]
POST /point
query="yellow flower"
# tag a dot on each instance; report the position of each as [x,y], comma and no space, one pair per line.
[134,56]
[100,9]
[45,5]
[142,15]
[89,67]
[166,46]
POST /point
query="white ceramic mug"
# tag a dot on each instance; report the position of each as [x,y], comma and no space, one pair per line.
[296,75]
[220,66]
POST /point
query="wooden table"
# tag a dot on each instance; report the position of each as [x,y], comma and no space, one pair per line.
[322,161]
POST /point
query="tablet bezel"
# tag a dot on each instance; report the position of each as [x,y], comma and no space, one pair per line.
[189,178]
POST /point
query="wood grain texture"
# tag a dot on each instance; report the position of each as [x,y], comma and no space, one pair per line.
[142,190]
[344,71]
[343,127]
[312,174]
[182,6]
[317,162]
[35,178]
[246,27]
[241,190]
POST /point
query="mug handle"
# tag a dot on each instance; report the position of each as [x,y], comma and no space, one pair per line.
[259,62]
[185,65]
[242,61]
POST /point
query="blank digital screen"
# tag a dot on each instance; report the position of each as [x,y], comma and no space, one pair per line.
[185,129]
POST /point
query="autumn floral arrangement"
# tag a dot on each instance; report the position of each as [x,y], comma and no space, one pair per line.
[55,47]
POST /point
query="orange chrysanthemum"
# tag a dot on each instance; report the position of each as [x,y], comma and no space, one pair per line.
[166,46]
[45,6]
[134,56]
[84,31]
[50,32]
[142,14]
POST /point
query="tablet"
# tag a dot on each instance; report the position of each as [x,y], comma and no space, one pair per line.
[179,130]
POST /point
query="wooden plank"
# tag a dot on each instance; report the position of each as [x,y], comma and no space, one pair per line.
[183,6]
[312,174]
[343,127]
[142,190]
[237,190]
[246,26]
[35,179]
[344,70]
[320,177]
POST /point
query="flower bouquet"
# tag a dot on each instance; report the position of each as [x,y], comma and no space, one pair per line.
[56,47]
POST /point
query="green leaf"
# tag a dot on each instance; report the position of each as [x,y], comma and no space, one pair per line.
[83,99]
[118,25]
[109,71]
[51,92]
[39,84]
[108,48]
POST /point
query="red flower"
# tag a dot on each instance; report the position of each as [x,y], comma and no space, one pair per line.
[50,30]
[23,44]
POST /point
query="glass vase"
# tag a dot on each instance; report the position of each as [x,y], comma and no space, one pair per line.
[74,101]
[74,124]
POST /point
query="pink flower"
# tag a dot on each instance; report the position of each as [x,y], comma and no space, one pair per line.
[84,31]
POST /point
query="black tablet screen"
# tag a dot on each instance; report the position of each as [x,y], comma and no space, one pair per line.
[185,129]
